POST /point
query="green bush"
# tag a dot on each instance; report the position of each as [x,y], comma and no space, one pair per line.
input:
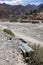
[24,17]
[8,32]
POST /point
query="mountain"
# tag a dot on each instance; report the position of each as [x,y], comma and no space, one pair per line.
[31,7]
[19,8]
[40,7]
[4,13]
[15,9]
[6,10]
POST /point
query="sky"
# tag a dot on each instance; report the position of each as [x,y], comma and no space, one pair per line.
[22,2]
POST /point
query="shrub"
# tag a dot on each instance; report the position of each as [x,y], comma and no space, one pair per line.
[37,58]
[8,32]
[24,17]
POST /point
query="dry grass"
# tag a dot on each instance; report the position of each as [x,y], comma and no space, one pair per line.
[37,58]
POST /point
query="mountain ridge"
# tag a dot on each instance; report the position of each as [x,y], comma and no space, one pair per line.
[18,9]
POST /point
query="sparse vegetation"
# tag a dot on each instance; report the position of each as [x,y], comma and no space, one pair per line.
[13,18]
[37,58]
[8,32]
[33,14]
[24,17]
[13,13]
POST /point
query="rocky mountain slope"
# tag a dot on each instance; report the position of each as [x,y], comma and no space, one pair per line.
[6,10]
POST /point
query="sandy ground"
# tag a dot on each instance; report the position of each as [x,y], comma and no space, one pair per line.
[28,39]
[9,54]
[29,32]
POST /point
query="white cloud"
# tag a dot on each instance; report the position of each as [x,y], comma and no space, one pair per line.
[37,3]
[23,2]
[12,2]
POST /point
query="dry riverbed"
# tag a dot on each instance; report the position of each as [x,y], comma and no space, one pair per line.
[9,50]
[30,32]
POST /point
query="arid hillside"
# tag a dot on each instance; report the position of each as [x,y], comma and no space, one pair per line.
[18,12]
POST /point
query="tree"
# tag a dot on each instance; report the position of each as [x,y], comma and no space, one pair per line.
[27,13]
[31,12]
